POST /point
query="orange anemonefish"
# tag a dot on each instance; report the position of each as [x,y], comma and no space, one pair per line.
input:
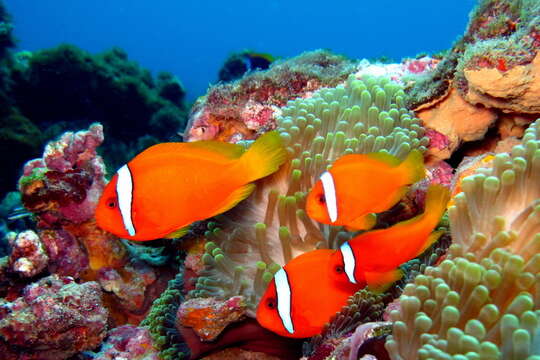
[358,185]
[303,296]
[373,257]
[170,185]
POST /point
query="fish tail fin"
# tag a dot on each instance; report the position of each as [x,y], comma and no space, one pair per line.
[413,167]
[264,156]
[380,281]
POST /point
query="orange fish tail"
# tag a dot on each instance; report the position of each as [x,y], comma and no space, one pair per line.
[413,167]
[264,156]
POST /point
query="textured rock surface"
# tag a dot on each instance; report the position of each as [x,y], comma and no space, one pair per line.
[515,90]
[208,316]
[128,342]
[458,121]
[54,319]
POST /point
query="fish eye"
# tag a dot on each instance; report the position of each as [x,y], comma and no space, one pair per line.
[322,199]
[111,203]
[339,269]
[271,303]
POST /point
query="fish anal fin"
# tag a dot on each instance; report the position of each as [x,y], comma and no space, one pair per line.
[381,281]
[177,233]
[365,222]
[432,239]
[385,205]
[234,198]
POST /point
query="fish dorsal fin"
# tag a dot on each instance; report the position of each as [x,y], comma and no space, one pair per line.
[234,198]
[385,157]
[380,281]
[374,158]
[231,151]
[365,222]
[207,149]
[177,233]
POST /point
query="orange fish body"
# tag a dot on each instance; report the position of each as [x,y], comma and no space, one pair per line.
[373,257]
[358,185]
[169,186]
[303,296]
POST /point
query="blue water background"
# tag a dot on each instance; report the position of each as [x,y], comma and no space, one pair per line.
[192,39]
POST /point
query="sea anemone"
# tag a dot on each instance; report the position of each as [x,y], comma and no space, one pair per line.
[482,302]
[271,227]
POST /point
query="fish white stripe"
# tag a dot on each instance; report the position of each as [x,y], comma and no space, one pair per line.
[330,195]
[284,299]
[349,260]
[124,191]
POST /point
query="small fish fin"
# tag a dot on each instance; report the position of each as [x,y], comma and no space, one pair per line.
[432,239]
[365,222]
[264,156]
[398,195]
[231,151]
[234,198]
[413,167]
[177,233]
[380,282]
[208,148]
[385,157]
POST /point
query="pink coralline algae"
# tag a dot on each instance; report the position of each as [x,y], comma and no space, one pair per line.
[128,342]
[64,186]
[66,256]
[54,319]
[398,72]
[28,256]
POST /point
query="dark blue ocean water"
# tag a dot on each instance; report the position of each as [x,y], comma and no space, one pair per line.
[192,39]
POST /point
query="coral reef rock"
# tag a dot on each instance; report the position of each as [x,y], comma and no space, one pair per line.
[54,319]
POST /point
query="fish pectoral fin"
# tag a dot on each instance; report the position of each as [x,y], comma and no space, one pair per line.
[365,222]
[234,198]
[381,281]
[432,239]
[177,233]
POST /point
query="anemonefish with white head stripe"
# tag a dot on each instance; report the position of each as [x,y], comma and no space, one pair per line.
[372,258]
[164,189]
[303,296]
[358,185]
